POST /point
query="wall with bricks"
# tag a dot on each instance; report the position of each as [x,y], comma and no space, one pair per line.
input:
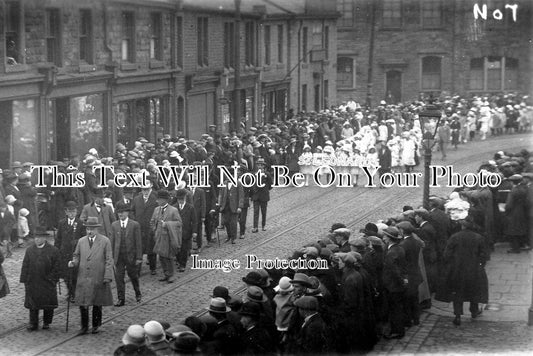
[456,41]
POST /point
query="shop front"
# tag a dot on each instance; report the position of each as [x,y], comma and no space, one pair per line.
[274,101]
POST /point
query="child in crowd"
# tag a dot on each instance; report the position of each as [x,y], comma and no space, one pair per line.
[23,228]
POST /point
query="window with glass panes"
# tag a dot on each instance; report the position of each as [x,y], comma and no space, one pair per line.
[431,73]
[431,13]
[345,72]
[494,73]
[392,13]
[13,38]
[346,10]
[280,43]
[53,37]
[202,41]
[128,37]
[229,44]
[85,37]
[267,44]
[249,53]
[156,50]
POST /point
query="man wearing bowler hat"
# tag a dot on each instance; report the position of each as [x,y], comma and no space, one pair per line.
[69,230]
[127,252]
[94,258]
[40,273]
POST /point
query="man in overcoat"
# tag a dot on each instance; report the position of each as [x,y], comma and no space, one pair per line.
[69,230]
[99,210]
[516,215]
[199,204]
[142,209]
[188,228]
[166,226]
[94,258]
[395,281]
[261,195]
[40,273]
[312,336]
[127,252]
[427,233]
[230,201]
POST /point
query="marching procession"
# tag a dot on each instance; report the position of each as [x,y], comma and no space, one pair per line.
[376,281]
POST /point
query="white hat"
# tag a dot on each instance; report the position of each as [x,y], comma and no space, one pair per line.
[284,285]
[24,212]
[154,331]
[135,335]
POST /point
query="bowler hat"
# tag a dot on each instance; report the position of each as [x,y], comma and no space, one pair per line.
[255,294]
[163,194]
[253,278]
[181,193]
[370,229]
[92,221]
[122,207]
[40,231]
[185,342]
[250,308]
[218,305]
[300,278]
[307,302]
[220,292]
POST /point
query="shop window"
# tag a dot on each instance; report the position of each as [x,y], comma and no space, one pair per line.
[431,73]
[345,72]
[202,41]
[280,43]
[86,123]
[249,53]
[25,134]
[392,14]
[229,45]
[13,29]
[128,37]
[346,9]
[86,37]
[267,44]
[156,48]
[494,73]
[431,13]
[53,37]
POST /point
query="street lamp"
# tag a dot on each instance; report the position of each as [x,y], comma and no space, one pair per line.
[431,115]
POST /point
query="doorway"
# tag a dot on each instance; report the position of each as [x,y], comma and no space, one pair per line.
[393,93]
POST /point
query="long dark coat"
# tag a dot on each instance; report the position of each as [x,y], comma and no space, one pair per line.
[465,278]
[40,273]
[66,240]
[95,264]
[516,223]
[142,213]
[4,287]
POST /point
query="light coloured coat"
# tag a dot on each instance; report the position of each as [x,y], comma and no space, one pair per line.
[95,264]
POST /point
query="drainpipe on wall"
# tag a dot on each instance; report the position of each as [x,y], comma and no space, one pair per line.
[298,109]
[369,80]
[112,67]
[237,80]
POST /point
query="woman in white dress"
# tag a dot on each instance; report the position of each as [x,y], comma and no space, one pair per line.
[408,151]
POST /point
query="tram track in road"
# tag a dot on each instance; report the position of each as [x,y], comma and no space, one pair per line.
[385,198]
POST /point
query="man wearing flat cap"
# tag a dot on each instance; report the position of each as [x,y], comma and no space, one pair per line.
[126,243]
[94,258]
[312,338]
[394,281]
[255,340]
[69,230]
[342,235]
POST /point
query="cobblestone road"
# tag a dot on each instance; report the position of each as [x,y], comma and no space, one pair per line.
[296,216]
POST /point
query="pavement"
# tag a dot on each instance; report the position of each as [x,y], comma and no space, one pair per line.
[296,216]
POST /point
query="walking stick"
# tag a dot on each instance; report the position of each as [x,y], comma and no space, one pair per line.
[68,298]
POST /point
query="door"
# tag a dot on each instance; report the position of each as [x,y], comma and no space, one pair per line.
[201,114]
[317,97]
[393,93]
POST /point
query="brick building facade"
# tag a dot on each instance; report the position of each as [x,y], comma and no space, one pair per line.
[431,46]
[76,75]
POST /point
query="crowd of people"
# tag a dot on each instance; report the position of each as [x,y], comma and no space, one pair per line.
[377,280]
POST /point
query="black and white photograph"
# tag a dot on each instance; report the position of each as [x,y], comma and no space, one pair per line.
[266,177]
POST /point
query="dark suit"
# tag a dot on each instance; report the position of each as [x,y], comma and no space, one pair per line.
[200,206]
[126,244]
[142,212]
[257,341]
[394,272]
[105,217]
[442,224]
[430,252]
[412,248]
[312,337]
[188,219]
[66,240]
[260,196]
[229,200]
